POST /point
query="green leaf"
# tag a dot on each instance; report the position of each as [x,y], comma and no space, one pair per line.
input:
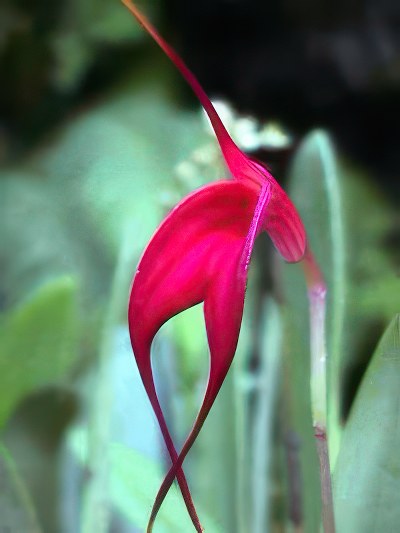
[38,342]
[367,474]
[16,509]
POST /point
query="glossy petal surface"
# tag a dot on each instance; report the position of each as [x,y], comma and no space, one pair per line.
[197,254]
[201,252]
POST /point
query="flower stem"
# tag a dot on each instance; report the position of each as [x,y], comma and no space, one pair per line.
[317,301]
[328,518]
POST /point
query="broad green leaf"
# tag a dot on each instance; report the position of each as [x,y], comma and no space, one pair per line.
[367,473]
[16,509]
[38,342]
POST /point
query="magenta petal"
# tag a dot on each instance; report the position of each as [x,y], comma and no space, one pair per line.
[284,226]
[200,235]
[193,256]
[223,310]
[199,253]
[282,221]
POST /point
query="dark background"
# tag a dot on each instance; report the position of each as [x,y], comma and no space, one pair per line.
[305,63]
[308,63]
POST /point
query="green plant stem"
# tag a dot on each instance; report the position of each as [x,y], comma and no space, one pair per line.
[317,302]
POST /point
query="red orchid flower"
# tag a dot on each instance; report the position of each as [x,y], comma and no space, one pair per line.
[201,253]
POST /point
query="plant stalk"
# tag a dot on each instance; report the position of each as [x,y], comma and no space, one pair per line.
[328,518]
[317,302]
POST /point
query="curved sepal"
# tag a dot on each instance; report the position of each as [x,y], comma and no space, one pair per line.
[284,226]
[223,310]
[199,253]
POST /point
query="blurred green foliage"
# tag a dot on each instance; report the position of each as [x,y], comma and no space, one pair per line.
[17,510]
[77,208]
[40,338]
[370,446]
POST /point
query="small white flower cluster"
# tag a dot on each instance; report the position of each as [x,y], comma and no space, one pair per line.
[247,132]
